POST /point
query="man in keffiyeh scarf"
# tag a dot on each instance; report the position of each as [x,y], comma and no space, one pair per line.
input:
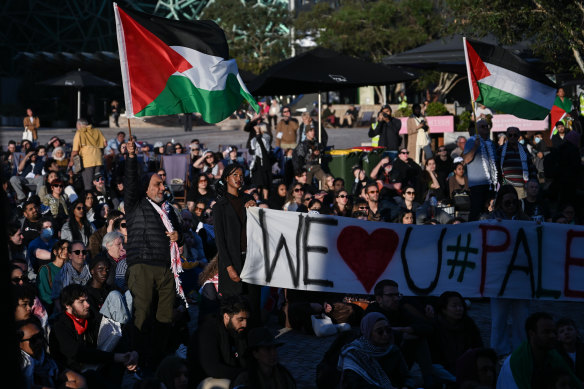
[152,256]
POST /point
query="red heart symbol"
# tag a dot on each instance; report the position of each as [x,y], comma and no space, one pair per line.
[367,255]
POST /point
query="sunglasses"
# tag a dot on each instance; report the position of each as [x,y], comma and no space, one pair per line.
[404,152]
[373,192]
[286,111]
[200,209]
[209,156]
[342,196]
[79,208]
[79,252]
[307,198]
[298,190]
[58,186]
[123,225]
[363,208]
[411,192]
[18,279]
[441,150]
[162,175]
[99,179]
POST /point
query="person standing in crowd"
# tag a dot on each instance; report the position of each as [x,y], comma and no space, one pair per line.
[115,107]
[560,136]
[515,163]
[571,346]
[286,130]
[387,130]
[153,230]
[418,138]
[307,156]
[88,143]
[31,125]
[308,123]
[261,166]
[480,159]
[230,220]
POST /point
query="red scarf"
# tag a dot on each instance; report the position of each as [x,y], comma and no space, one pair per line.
[80,324]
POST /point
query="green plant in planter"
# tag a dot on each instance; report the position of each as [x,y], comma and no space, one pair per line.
[403,112]
[462,121]
[436,108]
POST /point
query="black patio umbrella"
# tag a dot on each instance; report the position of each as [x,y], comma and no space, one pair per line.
[321,70]
[78,79]
[447,54]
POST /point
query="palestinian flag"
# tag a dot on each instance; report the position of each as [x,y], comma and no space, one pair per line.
[559,112]
[171,67]
[504,82]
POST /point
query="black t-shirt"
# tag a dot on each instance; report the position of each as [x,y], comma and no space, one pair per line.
[31,231]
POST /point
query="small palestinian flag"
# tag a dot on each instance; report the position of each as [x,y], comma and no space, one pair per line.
[559,112]
[171,67]
[504,82]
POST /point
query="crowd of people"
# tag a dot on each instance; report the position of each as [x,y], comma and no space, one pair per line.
[105,261]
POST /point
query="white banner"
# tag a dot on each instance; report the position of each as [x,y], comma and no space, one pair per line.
[509,259]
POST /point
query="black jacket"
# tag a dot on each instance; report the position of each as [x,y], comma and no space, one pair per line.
[71,350]
[388,133]
[227,238]
[147,240]
[215,352]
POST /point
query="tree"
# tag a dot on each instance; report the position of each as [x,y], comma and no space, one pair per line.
[556,27]
[257,34]
[371,29]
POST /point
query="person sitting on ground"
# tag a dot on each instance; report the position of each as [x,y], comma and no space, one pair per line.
[52,271]
[200,190]
[373,361]
[407,216]
[263,369]
[56,201]
[409,325]
[350,117]
[173,372]
[530,363]
[571,346]
[342,206]
[115,254]
[16,248]
[454,331]
[95,240]
[294,199]
[277,197]
[217,348]
[37,367]
[477,369]
[75,270]
[39,250]
[77,226]
[73,342]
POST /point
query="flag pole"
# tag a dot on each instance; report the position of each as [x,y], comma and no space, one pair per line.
[129,129]
[468,76]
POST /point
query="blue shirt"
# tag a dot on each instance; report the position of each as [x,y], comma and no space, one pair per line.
[38,243]
[475,169]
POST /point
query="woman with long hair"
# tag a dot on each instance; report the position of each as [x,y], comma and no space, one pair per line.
[89,202]
[294,199]
[277,197]
[56,200]
[200,190]
[342,206]
[209,290]
[52,271]
[431,181]
[77,226]
[454,331]
[408,201]
[209,164]
[458,181]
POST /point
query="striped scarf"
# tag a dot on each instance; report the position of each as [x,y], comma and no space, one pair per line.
[175,262]
[360,357]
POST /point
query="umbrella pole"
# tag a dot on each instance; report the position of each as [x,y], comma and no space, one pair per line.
[78,104]
[319,133]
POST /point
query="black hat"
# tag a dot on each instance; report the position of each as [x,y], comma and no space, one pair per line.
[261,337]
[97,175]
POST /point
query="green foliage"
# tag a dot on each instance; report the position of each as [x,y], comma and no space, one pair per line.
[462,121]
[403,112]
[436,108]
[257,35]
[370,29]
[556,27]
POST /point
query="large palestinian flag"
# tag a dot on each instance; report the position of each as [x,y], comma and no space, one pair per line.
[504,82]
[171,67]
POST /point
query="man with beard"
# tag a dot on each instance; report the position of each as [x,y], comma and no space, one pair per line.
[217,348]
[154,237]
[73,342]
[100,191]
[31,224]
